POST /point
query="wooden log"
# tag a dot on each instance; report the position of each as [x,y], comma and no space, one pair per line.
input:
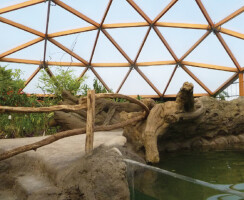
[90,121]
[4,109]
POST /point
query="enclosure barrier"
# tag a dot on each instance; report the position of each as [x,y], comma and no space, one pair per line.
[86,102]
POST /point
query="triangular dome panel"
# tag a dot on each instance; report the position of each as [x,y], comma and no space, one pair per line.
[122,12]
[69,21]
[180,40]
[129,39]
[80,43]
[236,24]
[178,80]
[106,52]
[33,86]
[184,11]
[218,10]
[87,8]
[236,46]
[210,51]
[9,40]
[112,76]
[211,78]
[136,85]
[152,8]
[154,50]
[158,75]
[56,54]
[32,16]
[34,52]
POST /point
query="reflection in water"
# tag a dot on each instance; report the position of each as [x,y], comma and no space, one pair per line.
[223,169]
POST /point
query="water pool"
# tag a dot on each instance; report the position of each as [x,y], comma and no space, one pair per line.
[223,168]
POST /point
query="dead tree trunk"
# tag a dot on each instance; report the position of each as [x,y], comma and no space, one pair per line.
[203,123]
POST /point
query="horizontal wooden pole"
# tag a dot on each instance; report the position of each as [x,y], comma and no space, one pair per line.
[16,60]
[209,66]
[22,27]
[7,109]
[27,44]
[110,64]
[20,5]
[169,62]
[66,64]
[72,31]
[195,95]
[182,25]
[125,25]
[232,33]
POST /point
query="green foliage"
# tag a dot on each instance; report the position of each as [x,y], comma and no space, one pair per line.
[222,95]
[20,125]
[64,80]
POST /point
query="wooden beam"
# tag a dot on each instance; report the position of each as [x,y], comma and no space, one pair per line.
[15,60]
[90,122]
[125,78]
[106,12]
[94,46]
[148,81]
[20,5]
[183,25]
[117,46]
[100,79]
[168,62]
[22,27]
[209,66]
[204,12]
[165,43]
[83,73]
[140,11]
[68,51]
[76,12]
[230,17]
[197,80]
[170,79]
[162,13]
[226,84]
[241,84]
[32,76]
[195,45]
[125,25]
[110,64]
[72,31]
[195,95]
[232,33]
[30,43]
[142,44]
[67,64]
[227,49]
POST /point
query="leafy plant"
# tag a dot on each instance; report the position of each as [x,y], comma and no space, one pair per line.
[19,125]
[222,95]
[64,80]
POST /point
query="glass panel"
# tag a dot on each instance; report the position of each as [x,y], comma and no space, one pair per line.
[184,11]
[154,49]
[210,51]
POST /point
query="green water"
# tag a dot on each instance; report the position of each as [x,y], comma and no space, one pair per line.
[225,169]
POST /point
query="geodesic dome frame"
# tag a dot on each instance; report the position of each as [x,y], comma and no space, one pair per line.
[132,64]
